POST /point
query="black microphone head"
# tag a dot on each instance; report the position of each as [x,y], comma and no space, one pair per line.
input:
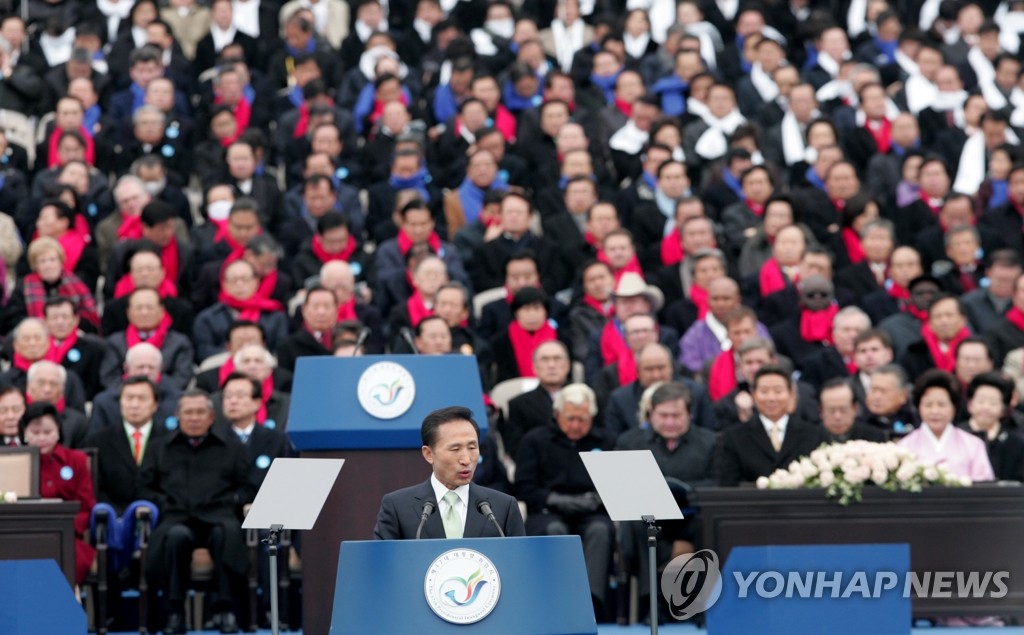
[484,506]
[429,507]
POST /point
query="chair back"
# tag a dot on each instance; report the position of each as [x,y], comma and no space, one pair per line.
[19,471]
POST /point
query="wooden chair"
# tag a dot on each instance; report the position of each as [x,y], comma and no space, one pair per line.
[19,471]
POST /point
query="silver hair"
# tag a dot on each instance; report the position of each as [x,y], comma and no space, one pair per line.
[43,364]
[576,395]
[268,357]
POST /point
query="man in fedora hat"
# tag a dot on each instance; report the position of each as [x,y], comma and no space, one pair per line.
[632,296]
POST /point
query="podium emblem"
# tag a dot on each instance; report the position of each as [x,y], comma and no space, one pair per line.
[386,390]
[462,586]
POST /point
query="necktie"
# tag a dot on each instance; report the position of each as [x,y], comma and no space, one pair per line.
[451,521]
[775,436]
[671,444]
[243,437]
[195,441]
[13,443]
[137,447]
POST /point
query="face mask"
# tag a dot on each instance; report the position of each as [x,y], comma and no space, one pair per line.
[218,211]
[155,187]
[501,28]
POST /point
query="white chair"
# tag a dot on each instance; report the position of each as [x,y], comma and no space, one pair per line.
[509,389]
[19,129]
[44,121]
[214,361]
[486,297]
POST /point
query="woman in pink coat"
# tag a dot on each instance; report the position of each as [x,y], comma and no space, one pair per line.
[937,397]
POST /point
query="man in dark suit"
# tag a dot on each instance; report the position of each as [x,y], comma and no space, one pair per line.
[124,448]
[770,440]
[146,360]
[195,512]
[533,409]
[316,337]
[241,400]
[78,352]
[839,414]
[451,444]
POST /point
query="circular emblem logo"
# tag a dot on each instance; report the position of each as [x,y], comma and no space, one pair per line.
[386,390]
[74,355]
[263,461]
[67,473]
[462,586]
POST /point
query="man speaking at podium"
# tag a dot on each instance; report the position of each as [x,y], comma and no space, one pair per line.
[448,504]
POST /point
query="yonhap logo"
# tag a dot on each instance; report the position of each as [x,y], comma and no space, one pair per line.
[692,583]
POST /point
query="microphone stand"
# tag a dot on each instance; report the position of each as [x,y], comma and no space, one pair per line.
[652,565]
[271,541]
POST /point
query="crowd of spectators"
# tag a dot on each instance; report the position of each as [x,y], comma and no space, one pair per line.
[737,230]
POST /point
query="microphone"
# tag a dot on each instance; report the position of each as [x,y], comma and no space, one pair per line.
[407,336]
[484,507]
[363,335]
[428,509]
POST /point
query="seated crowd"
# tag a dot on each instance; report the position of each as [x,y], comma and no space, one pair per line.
[726,232]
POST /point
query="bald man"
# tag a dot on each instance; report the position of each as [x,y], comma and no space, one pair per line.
[706,338]
[339,277]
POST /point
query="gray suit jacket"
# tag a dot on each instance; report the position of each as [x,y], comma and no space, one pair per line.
[400,511]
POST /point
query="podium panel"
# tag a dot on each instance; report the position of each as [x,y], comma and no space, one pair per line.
[37,599]
[377,401]
[543,580]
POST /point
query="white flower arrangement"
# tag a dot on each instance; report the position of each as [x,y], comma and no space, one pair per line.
[844,468]
[8,497]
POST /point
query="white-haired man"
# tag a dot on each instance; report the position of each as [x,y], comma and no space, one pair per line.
[146,360]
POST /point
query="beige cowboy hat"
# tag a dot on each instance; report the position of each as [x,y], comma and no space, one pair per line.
[632,284]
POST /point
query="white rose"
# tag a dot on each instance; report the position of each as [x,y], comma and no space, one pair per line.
[762,482]
[930,473]
[965,481]
[827,478]
[892,461]
[906,472]
[10,497]
[879,477]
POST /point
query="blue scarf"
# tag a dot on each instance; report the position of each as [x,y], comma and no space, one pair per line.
[138,96]
[672,91]
[812,56]
[416,182]
[309,50]
[665,205]
[91,118]
[515,102]
[1000,193]
[732,183]
[295,97]
[887,48]
[445,104]
[650,180]
[813,178]
[472,197]
[250,94]
[606,84]
[745,66]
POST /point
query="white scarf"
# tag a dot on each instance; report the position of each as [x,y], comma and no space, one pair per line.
[697,108]
[1011,24]
[713,143]
[949,100]
[222,38]
[628,139]
[993,96]
[636,46]
[660,13]
[115,12]
[828,64]
[246,17]
[728,8]
[364,31]
[929,11]
[368,62]
[445,73]
[57,50]
[423,29]
[981,65]
[710,42]
[765,86]
[920,93]
[971,172]
[568,40]
[836,89]
[793,146]
[856,18]
[139,36]
[908,65]
[483,43]
[718,330]
[466,134]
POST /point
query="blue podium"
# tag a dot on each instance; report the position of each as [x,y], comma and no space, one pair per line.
[37,599]
[368,411]
[526,586]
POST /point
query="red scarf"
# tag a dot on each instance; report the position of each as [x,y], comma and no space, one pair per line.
[58,352]
[943,360]
[624,107]
[53,156]
[132,338]
[896,291]
[920,314]
[505,122]
[126,285]
[606,309]
[22,363]
[171,257]
[935,209]
[853,247]
[59,405]
[851,365]
[524,343]
[347,311]
[252,308]
[756,208]
[614,350]
[225,370]
[722,376]
[771,278]
[268,284]
[699,297]
[224,236]
[243,113]
[672,248]
[325,338]
[405,243]
[130,228]
[317,245]
[881,132]
[816,326]
[266,392]
[633,266]
[839,204]
[73,244]
[417,309]
[1016,317]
